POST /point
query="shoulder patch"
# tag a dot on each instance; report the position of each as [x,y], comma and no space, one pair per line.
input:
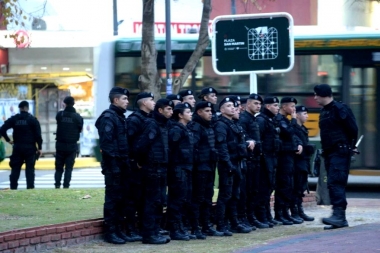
[176,136]
[152,134]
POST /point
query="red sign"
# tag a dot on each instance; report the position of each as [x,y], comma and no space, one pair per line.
[177,28]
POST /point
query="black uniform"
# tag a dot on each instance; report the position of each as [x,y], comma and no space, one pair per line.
[232,149]
[181,146]
[111,126]
[246,208]
[285,169]
[206,157]
[69,126]
[135,123]
[26,134]
[338,136]
[270,144]
[151,151]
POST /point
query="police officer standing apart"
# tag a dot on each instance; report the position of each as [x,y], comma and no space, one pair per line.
[112,130]
[69,126]
[251,128]
[301,165]
[339,133]
[26,134]
[152,154]
[271,144]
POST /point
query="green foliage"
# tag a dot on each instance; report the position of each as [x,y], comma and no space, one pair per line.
[2,151]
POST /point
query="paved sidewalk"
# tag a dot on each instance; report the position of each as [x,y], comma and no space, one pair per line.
[362,238]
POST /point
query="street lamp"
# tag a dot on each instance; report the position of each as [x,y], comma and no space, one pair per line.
[168,52]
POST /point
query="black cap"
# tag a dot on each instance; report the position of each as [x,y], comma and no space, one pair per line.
[174,97]
[182,106]
[144,95]
[225,100]
[119,90]
[323,90]
[235,98]
[23,104]
[256,97]
[206,91]
[288,100]
[271,100]
[184,93]
[69,100]
[301,108]
[236,104]
[202,104]
[243,101]
[163,102]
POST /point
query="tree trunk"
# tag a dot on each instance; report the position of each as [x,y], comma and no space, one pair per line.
[149,79]
[202,44]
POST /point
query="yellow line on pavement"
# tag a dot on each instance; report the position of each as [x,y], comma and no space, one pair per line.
[48,163]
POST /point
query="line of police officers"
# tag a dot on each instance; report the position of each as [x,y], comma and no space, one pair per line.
[255,151]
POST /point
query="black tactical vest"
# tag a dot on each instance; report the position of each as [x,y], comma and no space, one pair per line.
[160,147]
[331,127]
[270,139]
[23,132]
[184,153]
[235,140]
[120,136]
[251,127]
[67,127]
[287,140]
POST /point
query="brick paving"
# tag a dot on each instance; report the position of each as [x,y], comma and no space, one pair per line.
[362,238]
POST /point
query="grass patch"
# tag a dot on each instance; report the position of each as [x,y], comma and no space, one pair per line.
[31,208]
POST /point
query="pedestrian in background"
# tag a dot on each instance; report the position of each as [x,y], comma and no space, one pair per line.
[27,144]
[69,126]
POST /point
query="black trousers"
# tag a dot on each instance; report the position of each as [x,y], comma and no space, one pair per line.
[284,179]
[300,179]
[134,201]
[179,194]
[202,193]
[252,188]
[113,210]
[267,182]
[154,183]
[337,166]
[22,154]
[64,162]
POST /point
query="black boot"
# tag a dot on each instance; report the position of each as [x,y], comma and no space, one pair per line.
[287,216]
[278,216]
[262,216]
[132,233]
[294,213]
[243,220]
[177,234]
[155,239]
[337,219]
[185,230]
[270,217]
[302,214]
[255,222]
[221,227]
[198,234]
[209,230]
[120,233]
[237,227]
[111,237]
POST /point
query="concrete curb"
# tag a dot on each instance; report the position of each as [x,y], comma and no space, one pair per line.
[67,234]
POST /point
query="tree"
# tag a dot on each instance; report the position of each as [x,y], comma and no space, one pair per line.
[14,17]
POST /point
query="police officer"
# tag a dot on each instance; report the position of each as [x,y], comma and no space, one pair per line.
[301,165]
[339,133]
[135,121]
[187,97]
[181,145]
[206,157]
[69,126]
[26,135]
[175,98]
[209,94]
[251,128]
[291,145]
[112,130]
[152,151]
[228,145]
[270,143]
[243,104]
